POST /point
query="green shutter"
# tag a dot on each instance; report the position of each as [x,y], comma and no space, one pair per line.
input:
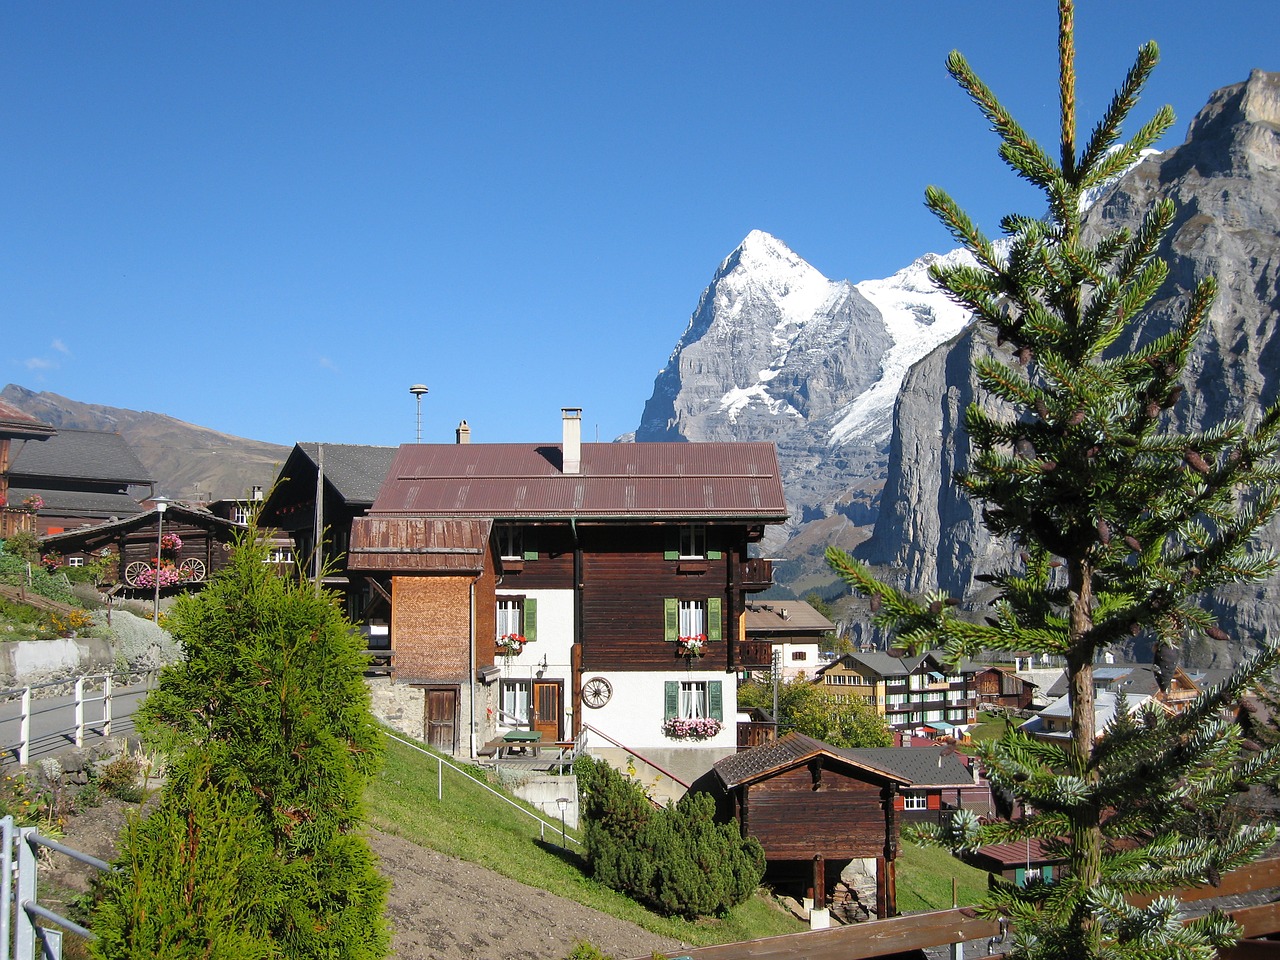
[671,609]
[715,699]
[671,690]
[531,554]
[714,554]
[530,619]
[713,618]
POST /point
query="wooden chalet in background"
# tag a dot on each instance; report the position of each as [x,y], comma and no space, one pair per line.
[921,693]
[790,629]
[206,543]
[616,572]
[82,476]
[349,476]
[995,686]
[17,430]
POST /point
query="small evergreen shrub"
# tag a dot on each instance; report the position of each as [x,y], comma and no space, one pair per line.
[676,860]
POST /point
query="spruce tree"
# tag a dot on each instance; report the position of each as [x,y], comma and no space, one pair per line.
[1120,523]
[269,706]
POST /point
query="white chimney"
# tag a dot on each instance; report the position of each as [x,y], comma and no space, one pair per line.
[571,452]
[463,432]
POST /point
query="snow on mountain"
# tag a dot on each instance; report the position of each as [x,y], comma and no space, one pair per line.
[918,317]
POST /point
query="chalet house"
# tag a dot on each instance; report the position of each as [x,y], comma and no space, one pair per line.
[349,476]
[17,430]
[791,629]
[941,781]
[1138,684]
[82,477]
[574,587]
[912,693]
[1001,687]
[188,544]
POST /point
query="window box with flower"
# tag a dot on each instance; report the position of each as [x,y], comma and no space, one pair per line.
[510,644]
[691,728]
[692,646]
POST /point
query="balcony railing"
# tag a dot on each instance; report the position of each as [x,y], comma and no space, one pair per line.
[756,574]
[754,654]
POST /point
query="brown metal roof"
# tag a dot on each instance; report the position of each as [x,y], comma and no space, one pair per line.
[18,423]
[633,480]
[418,544]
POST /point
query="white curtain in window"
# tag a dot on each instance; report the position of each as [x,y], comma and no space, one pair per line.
[693,699]
[515,702]
[693,618]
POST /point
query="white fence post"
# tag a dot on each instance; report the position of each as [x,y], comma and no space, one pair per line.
[106,707]
[6,886]
[25,940]
[24,743]
[80,711]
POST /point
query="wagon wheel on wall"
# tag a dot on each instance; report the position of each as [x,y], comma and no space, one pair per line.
[193,569]
[135,570]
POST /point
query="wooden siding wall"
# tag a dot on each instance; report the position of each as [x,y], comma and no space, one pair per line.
[844,818]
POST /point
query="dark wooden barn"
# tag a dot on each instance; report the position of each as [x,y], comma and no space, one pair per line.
[814,809]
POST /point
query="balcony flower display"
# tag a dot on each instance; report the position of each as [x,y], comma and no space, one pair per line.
[170,543]
[33,503]
[693,646]
[691,728]
[511,643]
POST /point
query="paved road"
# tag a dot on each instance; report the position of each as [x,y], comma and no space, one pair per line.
[53,718]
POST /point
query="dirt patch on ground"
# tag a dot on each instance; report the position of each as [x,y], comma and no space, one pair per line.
[438,907]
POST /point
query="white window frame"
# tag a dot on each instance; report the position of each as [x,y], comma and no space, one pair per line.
[695,699]
[693,542]
[240,514]
[914,801]
[75,561]
[509,616]
[510,542]
[693,618]
[516,701]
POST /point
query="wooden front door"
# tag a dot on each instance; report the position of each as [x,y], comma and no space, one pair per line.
[442,718]
[547,713]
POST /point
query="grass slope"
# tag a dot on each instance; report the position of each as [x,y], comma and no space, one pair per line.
[473,825]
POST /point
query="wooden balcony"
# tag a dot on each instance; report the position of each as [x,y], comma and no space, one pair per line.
[753,654]
[755,575]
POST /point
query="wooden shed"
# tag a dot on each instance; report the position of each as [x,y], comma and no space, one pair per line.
[192,542]
[814,808]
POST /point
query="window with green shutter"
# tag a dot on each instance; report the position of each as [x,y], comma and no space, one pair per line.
[671,691]
[714,616]
[530,619]
[671,613]
[715,699]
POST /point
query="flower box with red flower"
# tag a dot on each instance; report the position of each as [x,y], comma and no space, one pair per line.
[692,646]
[511,643]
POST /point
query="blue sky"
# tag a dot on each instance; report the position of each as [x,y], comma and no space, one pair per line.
[272,219]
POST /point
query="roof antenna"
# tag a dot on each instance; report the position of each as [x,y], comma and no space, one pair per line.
[418,389]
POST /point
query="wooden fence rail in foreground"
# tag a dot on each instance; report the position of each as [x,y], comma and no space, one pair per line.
[859,941]
[919,931]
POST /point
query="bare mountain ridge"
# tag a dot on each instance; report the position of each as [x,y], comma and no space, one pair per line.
[188,462]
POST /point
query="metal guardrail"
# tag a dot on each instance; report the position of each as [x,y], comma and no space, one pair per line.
[441,763]
[84,693]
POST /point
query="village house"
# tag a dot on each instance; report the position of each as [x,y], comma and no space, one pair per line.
[921,693]
[17,430]
[348,477]
[573,588]
[78,477]
[793,631]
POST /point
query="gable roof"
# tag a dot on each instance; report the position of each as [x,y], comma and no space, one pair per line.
[95,504]
[79,455]
[654,481]
[99,533]
[880,664]
[784,616]
[786,753]
[355,471]
[932,766]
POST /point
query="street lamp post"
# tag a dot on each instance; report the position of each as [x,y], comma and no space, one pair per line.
[161,504]
[562,803]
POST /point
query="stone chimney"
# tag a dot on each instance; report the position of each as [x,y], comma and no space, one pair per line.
[463,432]
[571,452]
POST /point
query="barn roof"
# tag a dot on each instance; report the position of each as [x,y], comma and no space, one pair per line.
[787,752]
[97,504]
[98,533]
[656,481]
[355,471]
[933,766]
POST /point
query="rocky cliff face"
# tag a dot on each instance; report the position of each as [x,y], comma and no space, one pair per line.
[1225,182]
